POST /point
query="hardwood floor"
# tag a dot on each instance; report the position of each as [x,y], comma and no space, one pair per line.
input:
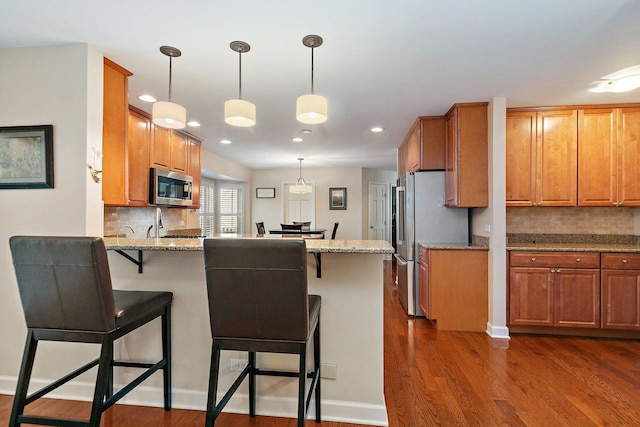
[456,379]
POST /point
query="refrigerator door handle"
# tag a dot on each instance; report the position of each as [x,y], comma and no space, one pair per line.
[400,203]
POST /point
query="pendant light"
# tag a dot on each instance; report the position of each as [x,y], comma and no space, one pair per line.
[300,186]
[312,108]
[168,114]
[238,112]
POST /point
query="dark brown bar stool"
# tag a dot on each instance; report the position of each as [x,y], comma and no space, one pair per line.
[66,294]
[258,302]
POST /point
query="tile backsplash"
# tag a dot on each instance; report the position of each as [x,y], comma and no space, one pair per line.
[555,220]
[115,219]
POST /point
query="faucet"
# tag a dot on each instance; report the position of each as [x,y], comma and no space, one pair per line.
[159,224]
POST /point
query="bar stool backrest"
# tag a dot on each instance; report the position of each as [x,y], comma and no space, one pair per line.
[64,282]
[306,225]
[257,288]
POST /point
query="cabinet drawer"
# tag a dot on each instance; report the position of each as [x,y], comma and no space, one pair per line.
[423,255]
[555,259]
[621,261]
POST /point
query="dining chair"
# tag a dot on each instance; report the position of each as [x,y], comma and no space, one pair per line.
[260,226]
[291,228]
[335,229]
[306,225]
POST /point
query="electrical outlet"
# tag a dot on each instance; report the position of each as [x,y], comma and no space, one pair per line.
[238,364]
[328,371]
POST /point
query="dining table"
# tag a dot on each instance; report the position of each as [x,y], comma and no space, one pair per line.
[310,231]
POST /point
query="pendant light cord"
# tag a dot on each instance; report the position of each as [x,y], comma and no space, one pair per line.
[312,70]
[170,63]
[239,74]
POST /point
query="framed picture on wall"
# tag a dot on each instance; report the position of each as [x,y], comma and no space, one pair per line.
[265,193]
[26,157]
[338,198]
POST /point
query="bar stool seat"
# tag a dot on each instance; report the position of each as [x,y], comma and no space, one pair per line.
[259,302]
[66,294]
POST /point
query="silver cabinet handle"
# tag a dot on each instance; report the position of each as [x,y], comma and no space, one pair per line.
[624,261]
[553,271]
[557,271]
[533,260]
[579,260]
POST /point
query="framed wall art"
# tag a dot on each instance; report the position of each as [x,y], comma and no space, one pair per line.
[265,193]
[338,198]
[26,157]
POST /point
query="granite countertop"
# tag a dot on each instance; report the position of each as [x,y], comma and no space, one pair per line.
[313,245]
[453,246]
[574,247]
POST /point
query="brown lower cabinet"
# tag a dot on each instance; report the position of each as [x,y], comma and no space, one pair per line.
[621,291]
[453,288]
[574,290]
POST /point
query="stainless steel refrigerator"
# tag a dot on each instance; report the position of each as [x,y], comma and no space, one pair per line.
[423,218]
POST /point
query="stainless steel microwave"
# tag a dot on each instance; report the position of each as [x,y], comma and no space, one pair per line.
[168,188]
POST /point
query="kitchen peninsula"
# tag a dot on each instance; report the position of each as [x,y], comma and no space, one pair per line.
[352,328]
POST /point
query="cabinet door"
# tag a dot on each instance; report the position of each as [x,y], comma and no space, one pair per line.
[521,158]
[629,156]
[424,300]
[179,152]
[451,159]
[195,170]
[114,134]
[577,297]
[597,162]
[530,296]
[413,148]
[161,148]
[138,159]
[621,299]
[557,158]
[433,140]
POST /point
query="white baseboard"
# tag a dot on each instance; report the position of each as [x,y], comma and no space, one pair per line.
[498,332]
[332,410]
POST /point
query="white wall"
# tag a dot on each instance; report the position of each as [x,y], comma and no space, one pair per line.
[270,211]
[62,86]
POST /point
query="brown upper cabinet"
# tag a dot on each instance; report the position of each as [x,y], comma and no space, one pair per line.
[195,170]
[609,157]
[132,144]
[169,150]
[115,171]
[466,156]
[423,147]
[541,158]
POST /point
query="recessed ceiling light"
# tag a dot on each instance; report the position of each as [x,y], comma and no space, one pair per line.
[306,131]
[377,129]
[193,123]
[623,80]
[225,141]
[297,139]
[147,98]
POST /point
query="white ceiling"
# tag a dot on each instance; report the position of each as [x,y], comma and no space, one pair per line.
[383,62]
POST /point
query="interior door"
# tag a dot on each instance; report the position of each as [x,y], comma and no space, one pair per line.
[299,207]
[377,211]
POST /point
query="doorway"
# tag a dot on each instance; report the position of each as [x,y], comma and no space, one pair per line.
[298,207]
[377,211]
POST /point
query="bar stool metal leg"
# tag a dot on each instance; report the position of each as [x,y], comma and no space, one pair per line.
[252,384]
[302,380]
[20,398]
[166,355]
[213,386]
[316,366]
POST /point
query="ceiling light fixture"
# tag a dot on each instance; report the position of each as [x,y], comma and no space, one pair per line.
[193,124]
[306,131]
[168,114]
[225,141]
[147,98]
[311,108]
[238,112]
[377,129]
[297,139]
[623,80]
[300,186]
